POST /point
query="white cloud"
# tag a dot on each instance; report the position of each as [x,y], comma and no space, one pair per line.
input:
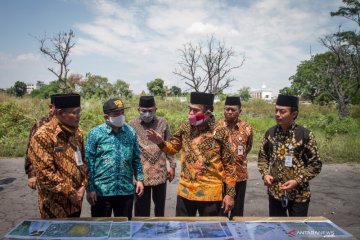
[142,37]
[7,60]
[27,57]
[198,27]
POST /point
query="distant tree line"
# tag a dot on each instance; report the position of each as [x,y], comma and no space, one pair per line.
[94,86]
[333,76]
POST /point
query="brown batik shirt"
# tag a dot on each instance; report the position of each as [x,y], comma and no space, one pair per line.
[29,168]
[297,146]
[52,153]
[152,158]
[241,140]
[206,159]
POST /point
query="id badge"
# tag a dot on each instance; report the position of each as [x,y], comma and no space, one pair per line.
[240,150]
[288,161]
[78,157]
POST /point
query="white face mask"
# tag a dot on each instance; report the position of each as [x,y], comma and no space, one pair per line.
[117,121]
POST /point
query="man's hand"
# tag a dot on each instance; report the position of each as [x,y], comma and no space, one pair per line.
[227,203]
[268,180]
[91,198]
[139,188]
[77,197]
[289,185]
[32,183]
[80,193]
[154,136]
[171,174]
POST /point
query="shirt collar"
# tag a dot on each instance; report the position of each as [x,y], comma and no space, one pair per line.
[290,129]
[109,128]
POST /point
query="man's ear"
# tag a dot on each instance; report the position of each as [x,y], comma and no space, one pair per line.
[295,114]
[58,111]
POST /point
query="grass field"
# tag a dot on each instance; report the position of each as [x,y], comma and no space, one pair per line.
[338,140]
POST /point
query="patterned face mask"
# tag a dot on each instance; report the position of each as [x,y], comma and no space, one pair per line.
[196,119]
[117,121]
[147,116]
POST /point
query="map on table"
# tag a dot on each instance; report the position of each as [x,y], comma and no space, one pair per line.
[202,230]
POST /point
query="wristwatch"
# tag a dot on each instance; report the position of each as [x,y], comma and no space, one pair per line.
[173,164]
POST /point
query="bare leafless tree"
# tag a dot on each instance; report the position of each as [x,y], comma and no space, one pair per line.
[57,48]
[343,69]
[208,69]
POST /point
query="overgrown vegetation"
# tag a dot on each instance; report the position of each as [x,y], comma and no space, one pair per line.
[338,140]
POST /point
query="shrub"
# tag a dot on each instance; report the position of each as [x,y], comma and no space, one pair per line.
[338,140]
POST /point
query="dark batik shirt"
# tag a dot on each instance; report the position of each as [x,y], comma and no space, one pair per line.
[206,159]
[52,153]
[297,144]
[241,140]
[29,168]
[152,158]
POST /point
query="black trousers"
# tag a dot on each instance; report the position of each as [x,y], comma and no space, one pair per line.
[120,205]
[143,203]
[74,215]
[293,208]
[185,207]
[239,199]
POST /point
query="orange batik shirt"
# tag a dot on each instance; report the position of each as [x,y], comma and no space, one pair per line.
[52,152]
[206,160]
[241,140]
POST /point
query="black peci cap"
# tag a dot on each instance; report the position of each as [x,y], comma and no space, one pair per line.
[233,101]
[69,100]
[147,101]
[202,98]
[288,101]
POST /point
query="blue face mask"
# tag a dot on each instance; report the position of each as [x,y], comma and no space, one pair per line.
[147,116]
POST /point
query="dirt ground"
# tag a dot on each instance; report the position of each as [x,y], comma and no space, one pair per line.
[335,195]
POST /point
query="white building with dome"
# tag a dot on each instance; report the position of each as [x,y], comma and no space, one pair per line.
[263,93]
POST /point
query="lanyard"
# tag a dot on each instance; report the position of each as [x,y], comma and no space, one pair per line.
[284,200]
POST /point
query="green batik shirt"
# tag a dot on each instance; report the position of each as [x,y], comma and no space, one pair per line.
[289,155]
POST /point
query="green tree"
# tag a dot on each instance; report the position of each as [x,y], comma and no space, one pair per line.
[323,79]
[349,11]
[10,91]
[19,88]
[287,91]
[309,80]
[156,87]
[45,91]
[343,71]
[74,82]
[122,89]
[95,86]
[176,91]
[335,74]
[244,93]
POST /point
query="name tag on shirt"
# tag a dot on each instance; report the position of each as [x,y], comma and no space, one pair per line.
[288,161]
[240,150]
[58,149]
[78,157]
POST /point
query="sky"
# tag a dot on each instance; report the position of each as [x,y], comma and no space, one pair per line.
[139,40]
